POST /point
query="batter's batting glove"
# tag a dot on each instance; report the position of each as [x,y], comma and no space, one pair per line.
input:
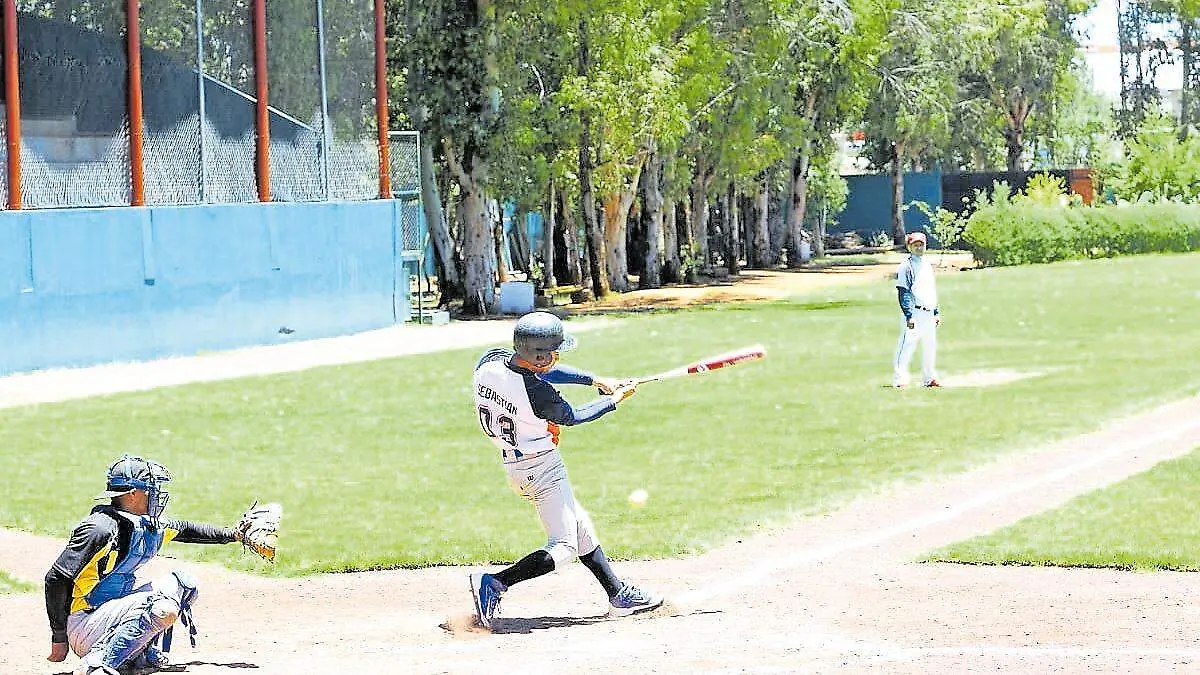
[607,385]
[623,391]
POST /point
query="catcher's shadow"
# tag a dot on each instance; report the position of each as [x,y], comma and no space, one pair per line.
[182,667]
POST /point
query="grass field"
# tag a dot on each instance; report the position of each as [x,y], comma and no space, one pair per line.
[1147,521]
[382,464]
[11,585]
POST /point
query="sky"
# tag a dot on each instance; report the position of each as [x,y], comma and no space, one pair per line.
[1099,40]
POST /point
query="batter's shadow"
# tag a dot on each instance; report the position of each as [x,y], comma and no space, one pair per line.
[530,624]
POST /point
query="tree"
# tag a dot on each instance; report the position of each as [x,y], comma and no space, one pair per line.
[909,110]
[453,44]
[1026,49]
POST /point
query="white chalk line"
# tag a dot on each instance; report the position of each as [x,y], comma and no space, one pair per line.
[941,515]
[910,653]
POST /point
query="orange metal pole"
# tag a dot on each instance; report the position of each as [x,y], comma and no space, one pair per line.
[136,140]
[381,103]
[263,145]
[12,99]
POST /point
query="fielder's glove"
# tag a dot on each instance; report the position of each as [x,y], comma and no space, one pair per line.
[258,529]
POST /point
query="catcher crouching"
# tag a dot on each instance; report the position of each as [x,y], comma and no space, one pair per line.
[93,600]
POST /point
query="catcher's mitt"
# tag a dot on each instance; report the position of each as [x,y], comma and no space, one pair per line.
[258,529]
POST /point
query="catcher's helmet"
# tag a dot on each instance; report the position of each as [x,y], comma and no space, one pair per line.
[539,334]
[134,473]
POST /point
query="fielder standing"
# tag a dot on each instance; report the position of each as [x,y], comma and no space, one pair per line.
[917,293]
[521,413]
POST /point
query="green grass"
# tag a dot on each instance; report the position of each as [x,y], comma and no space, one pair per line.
[11,585]
[382,464]
[1147,521]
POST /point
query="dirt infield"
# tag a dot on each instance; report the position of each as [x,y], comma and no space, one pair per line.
[835,593]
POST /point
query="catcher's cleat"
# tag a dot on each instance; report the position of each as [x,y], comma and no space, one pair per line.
[486,590]
[85,669]
[150,661]
[632,600]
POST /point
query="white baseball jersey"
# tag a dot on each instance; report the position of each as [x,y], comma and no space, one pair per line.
[520,412]
[916,274]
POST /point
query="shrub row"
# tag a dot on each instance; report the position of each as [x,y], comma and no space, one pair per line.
[1016,233]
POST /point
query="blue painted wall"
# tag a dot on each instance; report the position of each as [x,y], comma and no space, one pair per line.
[87,286]
[869,203]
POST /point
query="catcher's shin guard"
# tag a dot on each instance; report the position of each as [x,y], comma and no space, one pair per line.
[132,636]
[184,588]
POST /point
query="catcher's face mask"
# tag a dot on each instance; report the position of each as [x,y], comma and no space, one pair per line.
[134,473]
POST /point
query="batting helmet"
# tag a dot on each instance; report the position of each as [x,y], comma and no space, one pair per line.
[134,473]
[539,334]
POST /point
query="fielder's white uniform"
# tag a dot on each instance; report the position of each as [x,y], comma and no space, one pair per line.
[915,275]
[521,413]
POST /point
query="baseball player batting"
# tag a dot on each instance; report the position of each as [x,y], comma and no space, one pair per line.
[917,293]
[522,413]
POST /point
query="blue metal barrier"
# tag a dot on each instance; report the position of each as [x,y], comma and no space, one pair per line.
[87,286]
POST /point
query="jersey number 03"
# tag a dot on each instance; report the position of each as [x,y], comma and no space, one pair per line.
[506,426]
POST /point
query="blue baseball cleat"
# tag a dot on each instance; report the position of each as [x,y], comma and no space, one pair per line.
[632,600]
[486,590]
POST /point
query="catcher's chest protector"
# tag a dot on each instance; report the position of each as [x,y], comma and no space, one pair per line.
[118,580]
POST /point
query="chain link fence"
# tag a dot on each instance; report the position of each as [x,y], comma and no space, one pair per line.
[199,103]
[73,70]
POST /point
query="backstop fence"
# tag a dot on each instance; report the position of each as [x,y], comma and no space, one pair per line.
[176,102]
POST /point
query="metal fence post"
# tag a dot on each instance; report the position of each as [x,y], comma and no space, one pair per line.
[325,130]
[133,41]
[12,100]
[381,102]
[200,92]
[263,141]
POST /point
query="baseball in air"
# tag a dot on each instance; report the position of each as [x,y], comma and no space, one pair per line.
[637,498]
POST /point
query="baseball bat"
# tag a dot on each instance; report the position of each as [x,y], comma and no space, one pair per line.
[751,353]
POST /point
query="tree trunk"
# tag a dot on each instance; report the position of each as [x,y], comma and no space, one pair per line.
[477,235]
[652,217]
[699,211]
[548,227]
[778,207]
[761,237]
[732,230]
[670,228]
[635,234]
[1014,132]
[567,232]
[616,217]
[499,241]
[799,203]
[1014,144]
[897,168]
[592,232]
[819,231]
[449,276]
[518,235]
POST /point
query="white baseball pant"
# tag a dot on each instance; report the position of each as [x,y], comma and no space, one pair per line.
[542,480]
[924,331]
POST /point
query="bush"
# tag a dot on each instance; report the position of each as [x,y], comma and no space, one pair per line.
[1004,231]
